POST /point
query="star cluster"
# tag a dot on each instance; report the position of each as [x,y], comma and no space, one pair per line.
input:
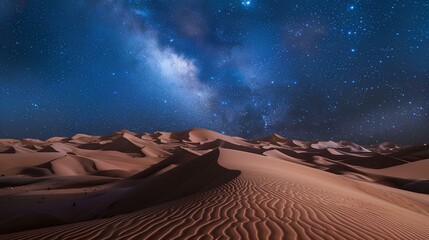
[342,70]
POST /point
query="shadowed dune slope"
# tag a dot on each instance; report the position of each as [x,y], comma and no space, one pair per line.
[199,184]
[271,199]
[190,177]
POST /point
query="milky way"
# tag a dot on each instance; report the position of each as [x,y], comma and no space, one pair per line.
[354,70]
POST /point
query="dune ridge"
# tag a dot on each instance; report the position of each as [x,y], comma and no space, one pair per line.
[199,184]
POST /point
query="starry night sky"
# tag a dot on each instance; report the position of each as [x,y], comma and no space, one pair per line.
[306,69]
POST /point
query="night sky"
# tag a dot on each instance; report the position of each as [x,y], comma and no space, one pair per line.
[340,70]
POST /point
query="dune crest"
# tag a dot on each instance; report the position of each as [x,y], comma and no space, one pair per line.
[202,184]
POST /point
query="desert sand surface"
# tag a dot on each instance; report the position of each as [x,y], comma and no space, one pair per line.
[200,184]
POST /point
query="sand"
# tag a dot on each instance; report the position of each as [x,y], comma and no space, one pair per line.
[200,184]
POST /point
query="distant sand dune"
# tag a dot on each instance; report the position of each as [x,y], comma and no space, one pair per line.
[199,184]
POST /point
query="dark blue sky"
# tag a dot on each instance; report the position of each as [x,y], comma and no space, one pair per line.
[354,70]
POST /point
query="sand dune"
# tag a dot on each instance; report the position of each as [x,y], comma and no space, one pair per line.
[418,170]
[199,184]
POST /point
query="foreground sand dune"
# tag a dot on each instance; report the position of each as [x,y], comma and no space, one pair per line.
[199,184]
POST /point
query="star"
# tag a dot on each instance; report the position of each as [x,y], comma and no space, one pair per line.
[175,59]
[246,3]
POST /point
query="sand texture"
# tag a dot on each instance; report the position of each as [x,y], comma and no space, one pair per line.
[200,184]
